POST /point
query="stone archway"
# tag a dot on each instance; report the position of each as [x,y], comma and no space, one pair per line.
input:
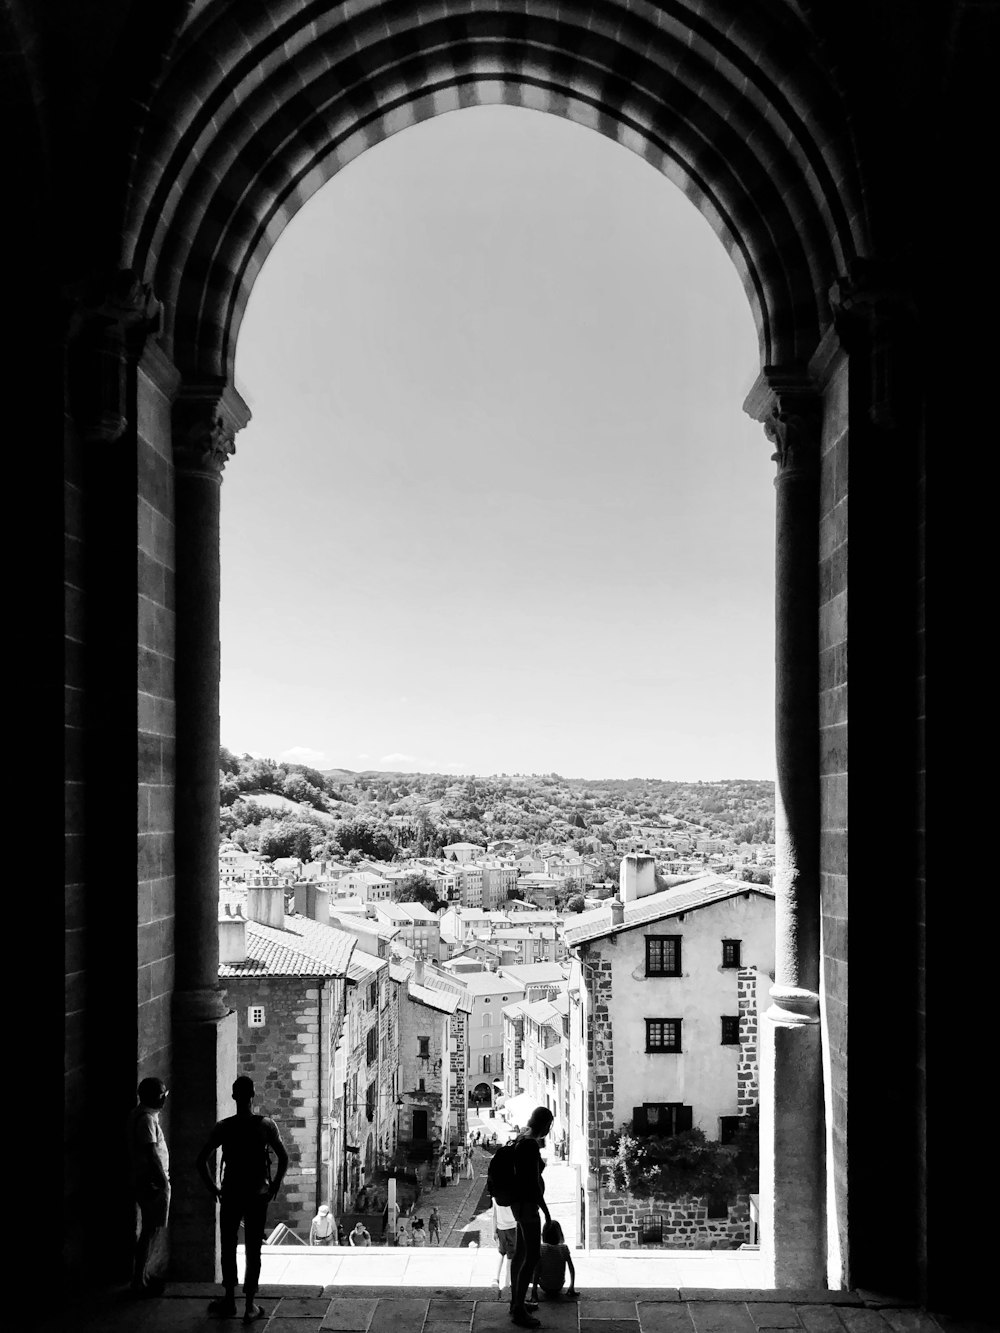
[253,113]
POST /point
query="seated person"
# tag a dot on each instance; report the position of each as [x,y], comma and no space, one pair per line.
[553,1259]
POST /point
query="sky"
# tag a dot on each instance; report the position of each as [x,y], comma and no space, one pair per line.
[498,508]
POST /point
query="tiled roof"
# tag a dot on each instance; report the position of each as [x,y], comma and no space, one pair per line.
[451,985]
[489,983]
[300,948]
[534,973]
[445,1002]
[551,1055]
[364,966]
[543,1011]
[702,892]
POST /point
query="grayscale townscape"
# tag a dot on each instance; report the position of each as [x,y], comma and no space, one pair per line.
[500,541]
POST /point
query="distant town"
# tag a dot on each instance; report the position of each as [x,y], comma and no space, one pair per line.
[407,955]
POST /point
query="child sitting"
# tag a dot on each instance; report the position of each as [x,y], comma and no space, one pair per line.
[553,1260]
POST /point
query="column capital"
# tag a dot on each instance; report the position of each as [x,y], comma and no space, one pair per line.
[873,311]
[206,419]
[108,318]
[787,402]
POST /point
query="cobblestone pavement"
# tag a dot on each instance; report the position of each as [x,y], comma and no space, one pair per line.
[459,1203]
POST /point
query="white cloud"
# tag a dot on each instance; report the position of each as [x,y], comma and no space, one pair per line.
[302,754]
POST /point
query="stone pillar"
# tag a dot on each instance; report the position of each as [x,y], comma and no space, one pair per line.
[793,1190]
[206,419]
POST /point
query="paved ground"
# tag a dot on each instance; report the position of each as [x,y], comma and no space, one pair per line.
[371,1309]
[450,1289]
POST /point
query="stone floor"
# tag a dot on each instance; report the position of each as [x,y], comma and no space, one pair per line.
[367,1296]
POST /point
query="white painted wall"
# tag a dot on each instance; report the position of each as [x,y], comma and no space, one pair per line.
[703,1076]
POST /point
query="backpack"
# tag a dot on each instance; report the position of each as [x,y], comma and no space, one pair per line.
[501,1176]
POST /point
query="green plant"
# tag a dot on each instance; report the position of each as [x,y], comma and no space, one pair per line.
[675,1165]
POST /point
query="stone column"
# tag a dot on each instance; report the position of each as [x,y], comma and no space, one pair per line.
[205,421]
[793,1192]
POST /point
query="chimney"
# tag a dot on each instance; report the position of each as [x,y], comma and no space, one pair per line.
[617,912]
[232,935]
[266,906]
[418,969]
[636,877]
[313,900]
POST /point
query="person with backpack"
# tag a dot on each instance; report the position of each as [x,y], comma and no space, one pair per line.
[247,1141]
[514,1180]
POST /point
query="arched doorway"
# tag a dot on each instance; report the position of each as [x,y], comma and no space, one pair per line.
[232,149]
[481,1095]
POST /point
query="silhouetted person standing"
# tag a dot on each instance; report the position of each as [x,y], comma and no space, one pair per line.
[246,1140]
[150,1164]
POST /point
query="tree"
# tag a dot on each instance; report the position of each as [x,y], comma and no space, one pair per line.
[575,903]
[369,839]
[417,889]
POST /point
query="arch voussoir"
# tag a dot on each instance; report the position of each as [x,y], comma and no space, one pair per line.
[246,127]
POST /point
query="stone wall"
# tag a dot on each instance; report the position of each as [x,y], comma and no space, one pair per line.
[747,1074]
[459,1084]
[156,710]
[283,1059]
[686,1223]
[833,774]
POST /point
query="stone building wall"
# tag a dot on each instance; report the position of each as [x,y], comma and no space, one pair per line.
[686,1224]
[459,1082]
[283,1059]
[747,1075]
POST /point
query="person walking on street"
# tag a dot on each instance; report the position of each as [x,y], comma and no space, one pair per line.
[505,1235]
[149,1161]
[470,1173]
[322,1230]
[247,1140]
[529,1201]
[434,1227]
[360,1235]
[447,1171]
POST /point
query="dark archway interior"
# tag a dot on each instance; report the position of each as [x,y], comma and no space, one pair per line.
[154,154]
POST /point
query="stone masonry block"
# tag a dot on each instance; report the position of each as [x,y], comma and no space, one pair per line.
[768,1316]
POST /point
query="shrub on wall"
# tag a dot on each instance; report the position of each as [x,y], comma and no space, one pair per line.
[677,1165]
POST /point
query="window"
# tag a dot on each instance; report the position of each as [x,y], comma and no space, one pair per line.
[730,1030]
[730,1128]
[663,955]
[373,994]
[731,953]
[663,1035]
[487,1039]
[486,1064]
[424,1048]
[370,1101]
[420,1086]
[661,1118]
[372,1045]
[255,1016]
[487,1020]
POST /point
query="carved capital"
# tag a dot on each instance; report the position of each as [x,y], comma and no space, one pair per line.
[874,313]
[108,320]
[206,419]
[788,405]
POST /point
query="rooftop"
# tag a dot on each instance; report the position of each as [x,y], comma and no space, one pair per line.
[300,948]
[686,897]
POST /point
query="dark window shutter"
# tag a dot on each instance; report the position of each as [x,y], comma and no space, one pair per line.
[685,1118]
[639,1123]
